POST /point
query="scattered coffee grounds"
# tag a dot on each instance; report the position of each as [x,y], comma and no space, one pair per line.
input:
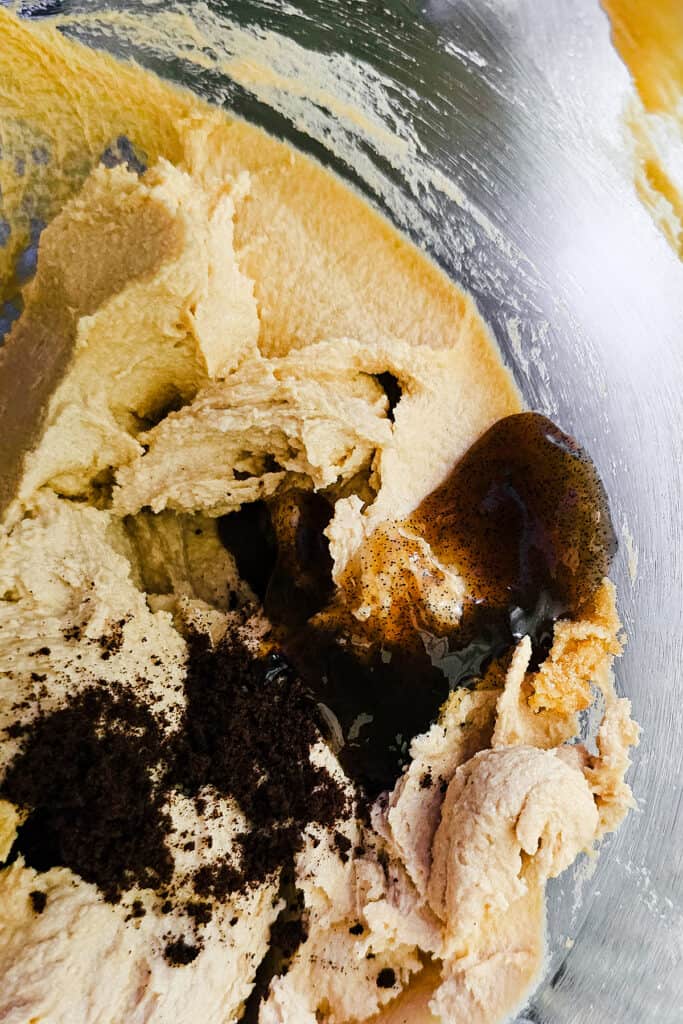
[386,978]
[137,911]
[178,953]
[111,642]
[38,900]
[200,912]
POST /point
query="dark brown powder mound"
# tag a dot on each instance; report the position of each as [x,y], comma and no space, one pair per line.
[249,728]
[96,777]
[85,774]
[217,880]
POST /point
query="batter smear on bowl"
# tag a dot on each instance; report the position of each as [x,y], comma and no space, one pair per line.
[299,608]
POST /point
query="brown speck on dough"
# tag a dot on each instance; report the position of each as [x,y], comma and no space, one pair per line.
[343,845]
[178,953]
[38,900]
[136,911]
[386,978]
[201,913]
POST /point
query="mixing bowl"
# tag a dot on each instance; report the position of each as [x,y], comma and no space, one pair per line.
[493,134]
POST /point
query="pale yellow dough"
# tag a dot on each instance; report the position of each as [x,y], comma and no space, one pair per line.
[128,309]
[196,338]
[649,38]
[467,870]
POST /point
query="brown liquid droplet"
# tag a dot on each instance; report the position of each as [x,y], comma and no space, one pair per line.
[522,514]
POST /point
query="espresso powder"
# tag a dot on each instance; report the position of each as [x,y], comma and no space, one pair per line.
[96,777]
[249,727]
[84,772]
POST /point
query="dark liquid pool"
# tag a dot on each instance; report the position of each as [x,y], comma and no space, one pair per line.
[523,516]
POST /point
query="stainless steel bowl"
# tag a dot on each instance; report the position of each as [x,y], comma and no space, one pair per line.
[492,133]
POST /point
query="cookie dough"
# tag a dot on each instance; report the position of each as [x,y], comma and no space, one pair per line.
[215,322]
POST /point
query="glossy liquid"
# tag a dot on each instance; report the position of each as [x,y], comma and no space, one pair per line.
[524,513]
[523,517]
